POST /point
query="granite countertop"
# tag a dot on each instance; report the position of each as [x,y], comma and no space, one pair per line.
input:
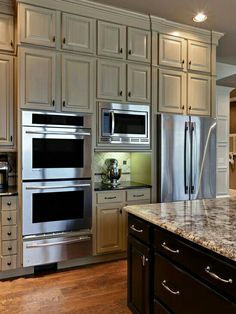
[9,191]
[210,223]
[123,185]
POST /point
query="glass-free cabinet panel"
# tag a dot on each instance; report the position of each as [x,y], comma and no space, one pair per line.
[6,32]
[38,79]
[138,83]
[172,91]
[77,83]
[139,45]
[111,40]
[78,33]
[199,56]
[37,25]
[110,80]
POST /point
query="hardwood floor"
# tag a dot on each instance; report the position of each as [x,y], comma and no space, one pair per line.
[99,289]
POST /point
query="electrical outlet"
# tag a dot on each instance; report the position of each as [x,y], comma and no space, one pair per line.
[124,162]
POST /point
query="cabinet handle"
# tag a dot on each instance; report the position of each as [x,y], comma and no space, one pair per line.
[183,61]
[64,103]
[110,197]
[144,260]
[9,203]
[53,102]
[9,233]
[9,263]
[136,230]
[121,93]
[169,249]
[190,62]
[12,45]
[169,289]
[215,276]
[9,248]
[190,107]
[9,218]
[121,50]
[182,107]
[11,138]
[54,39]
[138,195]
[64,40]
[120,211]
[129,94]
[130,52]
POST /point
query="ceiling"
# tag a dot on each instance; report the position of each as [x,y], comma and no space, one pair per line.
[221,17]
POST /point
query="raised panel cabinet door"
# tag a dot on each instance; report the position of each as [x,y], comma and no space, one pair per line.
[6,32]
[199,94]
[172,51]
[37,25]
[111,40]
[37,84]
[139,45]
[78,33]
[109,228]
[6,100]
[172,91]
[77,83]
[199,56]
[138,83]
[110,80]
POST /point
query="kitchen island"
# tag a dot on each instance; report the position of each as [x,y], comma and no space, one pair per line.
[182,257]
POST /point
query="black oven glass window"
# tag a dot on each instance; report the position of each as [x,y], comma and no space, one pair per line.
[58,206]
[129,124]
[58,153]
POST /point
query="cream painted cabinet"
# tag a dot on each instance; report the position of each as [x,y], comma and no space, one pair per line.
[6,100]
[77,83]
[199,56]
[37,25]
[199,92]
[172,91]
[78,33]
[6,32]
[110,80]
[37,79]
[111,40]
[139,45]
[138,84]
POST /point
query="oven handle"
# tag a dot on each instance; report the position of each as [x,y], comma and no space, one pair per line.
[32,187]
[80,239]
[59,133]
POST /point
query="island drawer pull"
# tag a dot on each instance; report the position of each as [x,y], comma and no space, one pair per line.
[169,289]
[215,276]
[110,197]
[136,230]
[169,249]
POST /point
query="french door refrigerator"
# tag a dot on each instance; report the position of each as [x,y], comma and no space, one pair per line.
[186,157]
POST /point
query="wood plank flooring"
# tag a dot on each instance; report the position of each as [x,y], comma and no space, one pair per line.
[98,289]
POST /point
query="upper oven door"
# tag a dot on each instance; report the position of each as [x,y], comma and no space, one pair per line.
[55,153]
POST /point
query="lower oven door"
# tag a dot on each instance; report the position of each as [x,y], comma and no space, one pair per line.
[56,206]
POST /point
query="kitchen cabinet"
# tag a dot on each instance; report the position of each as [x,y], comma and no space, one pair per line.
[112,42]
[7,32]
[111,81]
[199,56]
[42,88]
[6,101]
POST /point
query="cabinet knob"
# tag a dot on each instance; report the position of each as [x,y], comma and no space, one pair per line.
[54,39]
[190,107]
[9,203]
[9,233]
[64,40]
[130,52]
[121,93]
[9,218]
[9,248]
[129,94]
[121,50]
[9,263]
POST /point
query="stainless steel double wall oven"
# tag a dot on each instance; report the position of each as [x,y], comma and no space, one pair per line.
[56,186]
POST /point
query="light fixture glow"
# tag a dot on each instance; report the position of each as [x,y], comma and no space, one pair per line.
[200,17]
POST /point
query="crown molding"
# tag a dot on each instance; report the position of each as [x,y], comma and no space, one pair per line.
[7,7]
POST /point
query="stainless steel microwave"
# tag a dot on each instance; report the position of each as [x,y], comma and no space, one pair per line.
[123,124]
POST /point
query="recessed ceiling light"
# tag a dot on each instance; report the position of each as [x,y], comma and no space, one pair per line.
[200,17]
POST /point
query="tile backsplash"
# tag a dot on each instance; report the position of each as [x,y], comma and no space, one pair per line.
[12,174]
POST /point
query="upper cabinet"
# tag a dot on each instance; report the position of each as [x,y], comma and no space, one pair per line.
[199,56]
[6,32]
[112,42]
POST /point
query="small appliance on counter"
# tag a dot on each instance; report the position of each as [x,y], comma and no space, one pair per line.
[112,174]
[4,168]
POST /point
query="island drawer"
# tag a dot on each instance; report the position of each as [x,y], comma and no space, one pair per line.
[139,229]
[8,218]
[218,273]
[181,292]
[8,262]
[9,247]
[9,202]
[110,197]
[138,194]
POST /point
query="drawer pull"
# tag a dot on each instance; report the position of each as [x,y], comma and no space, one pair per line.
[9,203]
[9,218]
[138,195]
[168,249]
[136,230]
[9,263]
[169,289]
[9,248]
[213,275]
[110,197]
[9,233]
[144,260]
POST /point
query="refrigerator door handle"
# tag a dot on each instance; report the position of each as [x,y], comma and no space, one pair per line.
[192,128]
[185,158]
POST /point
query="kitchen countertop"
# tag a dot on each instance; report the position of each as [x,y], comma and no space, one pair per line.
[210,223]
[124,185]
[11,190]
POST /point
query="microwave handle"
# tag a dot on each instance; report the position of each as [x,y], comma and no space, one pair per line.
[112,122]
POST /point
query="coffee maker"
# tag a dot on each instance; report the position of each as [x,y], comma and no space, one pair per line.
[112,174]
[4,168]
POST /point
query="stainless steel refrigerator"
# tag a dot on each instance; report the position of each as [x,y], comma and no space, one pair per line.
[186,157]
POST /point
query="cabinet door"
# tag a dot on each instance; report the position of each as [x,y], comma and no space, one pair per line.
[37,74]
[138,276]
[199,94]
[6,100]
[139,45]
[77,83]
[110,80]
[138,83]
[78,33]
[111,40]
[6,32]
[109,228]
[199,56]
[172,91]
[37,25]
[172,51]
